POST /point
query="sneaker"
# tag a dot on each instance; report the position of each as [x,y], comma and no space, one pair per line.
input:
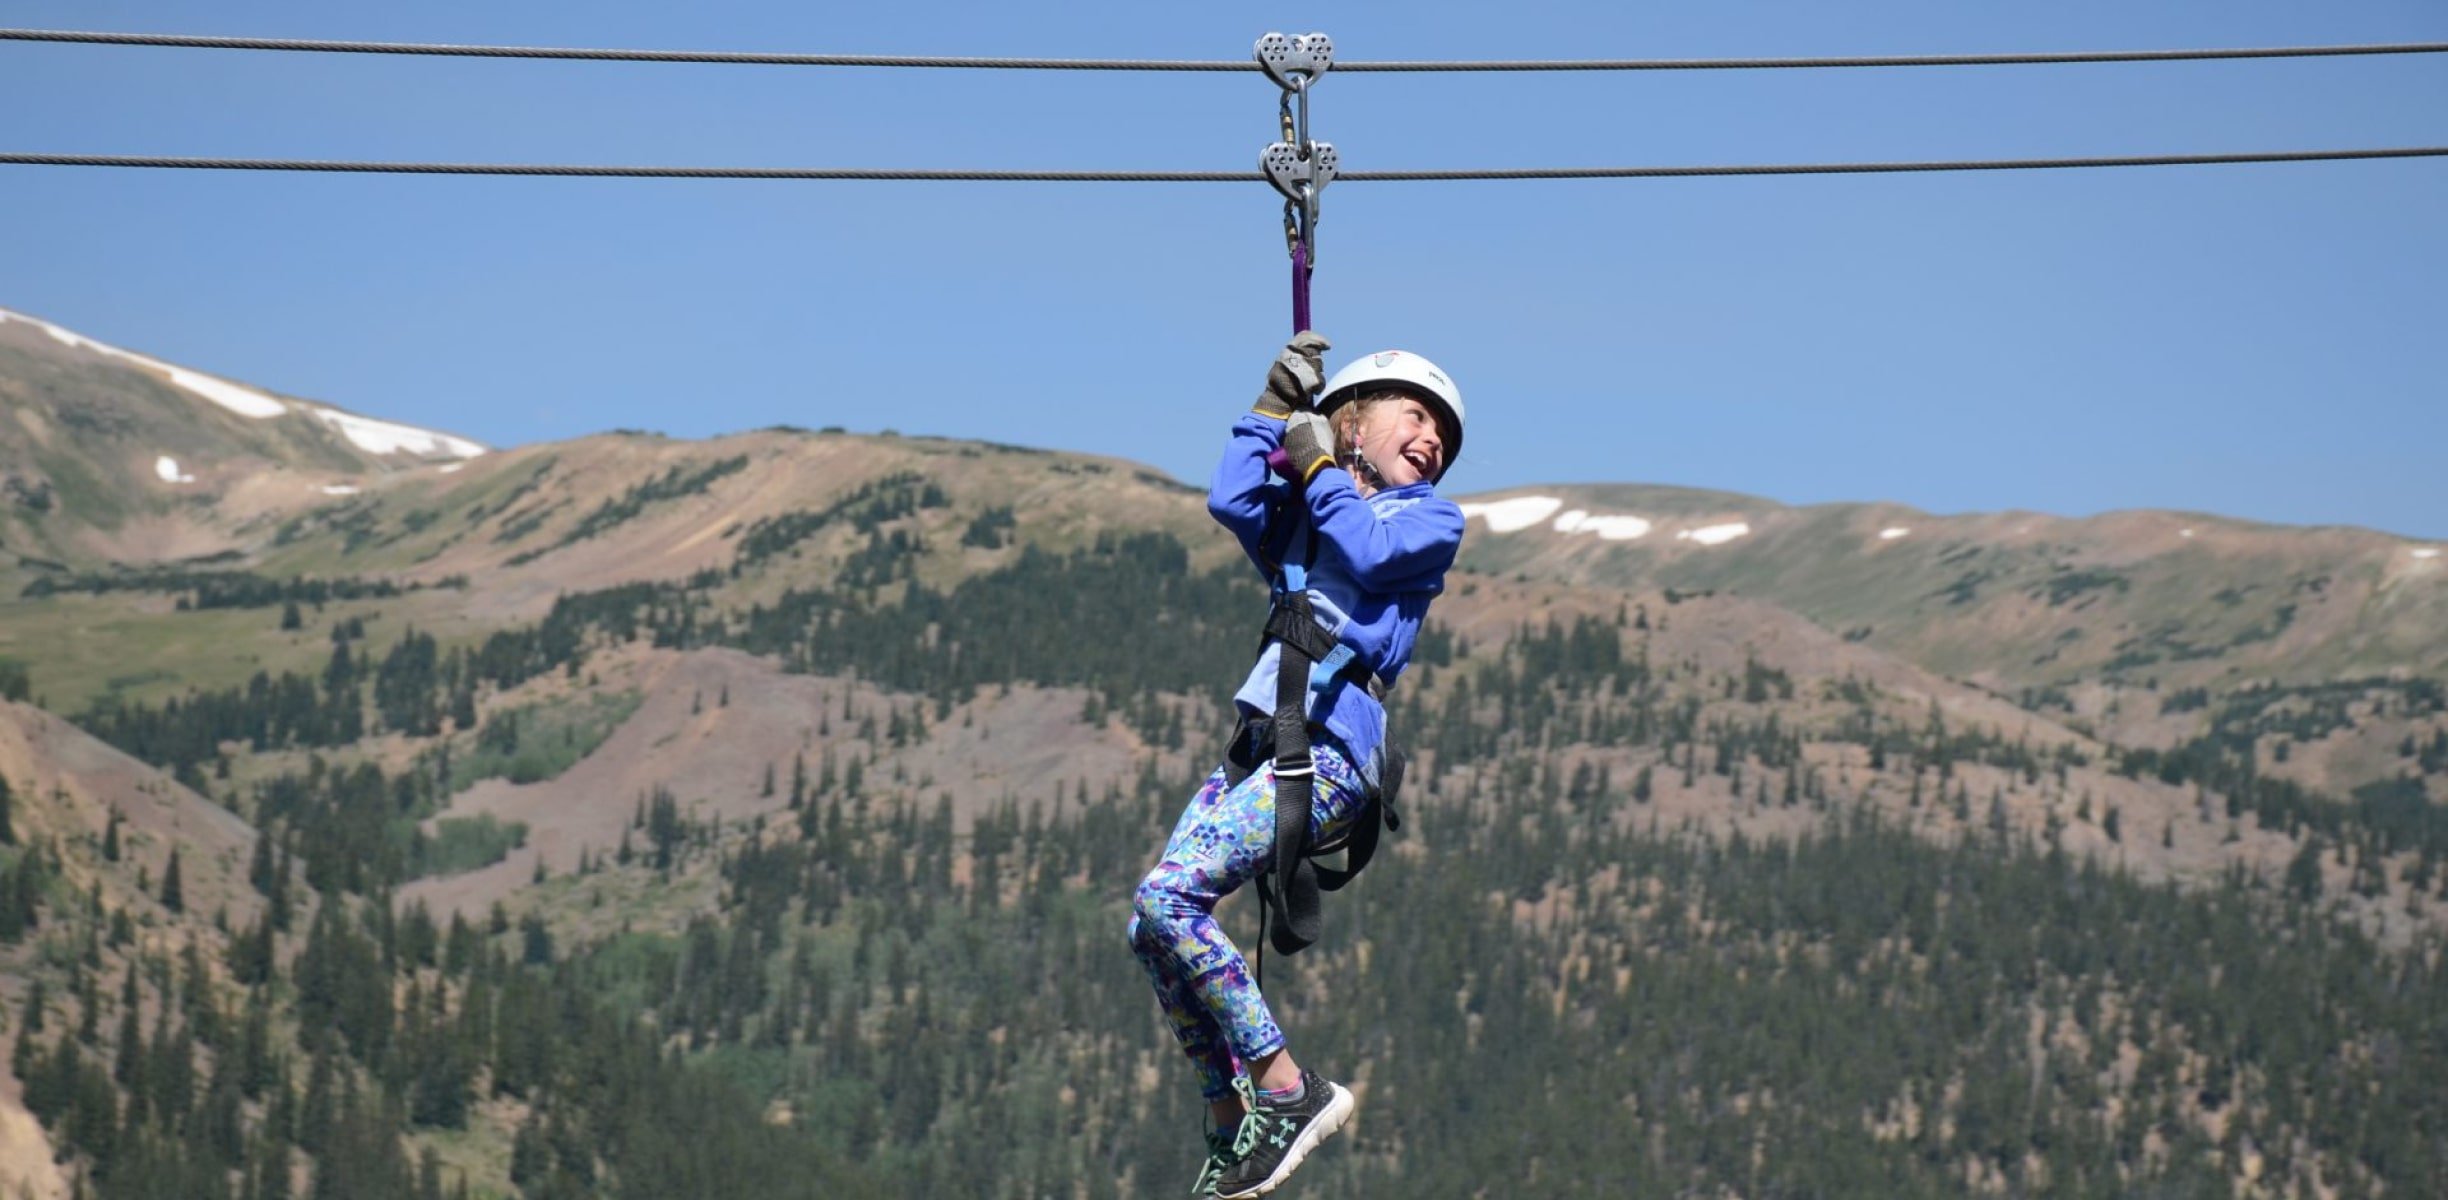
[1220,1158]
[1272,1141]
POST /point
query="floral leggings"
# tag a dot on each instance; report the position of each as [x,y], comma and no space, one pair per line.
[1222,841]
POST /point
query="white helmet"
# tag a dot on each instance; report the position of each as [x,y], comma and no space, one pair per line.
[1407,371]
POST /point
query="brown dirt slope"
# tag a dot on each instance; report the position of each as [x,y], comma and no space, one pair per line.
[1026,744]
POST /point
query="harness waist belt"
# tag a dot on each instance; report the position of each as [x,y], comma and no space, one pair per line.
[1298,631]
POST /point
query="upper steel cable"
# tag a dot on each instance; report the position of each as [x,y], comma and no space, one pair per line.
[961,176]
[104,38]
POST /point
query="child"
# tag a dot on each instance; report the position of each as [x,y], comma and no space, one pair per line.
[1347,488]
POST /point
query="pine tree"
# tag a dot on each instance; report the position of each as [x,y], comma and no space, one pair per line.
[20,898]
[2303,874]
[314,1113]
[277,905]
[530,1157]
[128,1061]
[173,890]
[89,1008]
[535,940]
[271,1169]
[259,867]
[22,1064]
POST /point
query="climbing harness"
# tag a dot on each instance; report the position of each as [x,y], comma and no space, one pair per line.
[1299,167]
[1312,666]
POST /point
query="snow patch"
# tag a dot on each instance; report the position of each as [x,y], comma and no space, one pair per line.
[2427,552]
[1715,535]
[245,401]
[1520,512]
[1892,533]
[379,437]
[1609,528]
[447,468]
[383,437]
[2184,533]
[168,469]
[339,489]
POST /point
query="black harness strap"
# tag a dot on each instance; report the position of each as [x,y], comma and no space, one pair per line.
[1288,890]
[1290,882]
[1289,887]
[1294,624]
[1359,843]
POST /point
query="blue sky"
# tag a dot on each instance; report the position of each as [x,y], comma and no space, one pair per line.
[2259,341]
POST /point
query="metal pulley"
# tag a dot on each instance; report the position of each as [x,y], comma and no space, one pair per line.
[1297,166]
[1300,177]
[1295,60]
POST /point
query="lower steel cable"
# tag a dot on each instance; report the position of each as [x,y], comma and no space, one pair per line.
[964,176]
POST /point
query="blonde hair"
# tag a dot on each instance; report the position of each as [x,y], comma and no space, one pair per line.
[1351,413]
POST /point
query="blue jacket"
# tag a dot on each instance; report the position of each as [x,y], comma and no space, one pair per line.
[1379,562]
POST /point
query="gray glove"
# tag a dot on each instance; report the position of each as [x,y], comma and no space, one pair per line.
[1308,444]
[1295,376]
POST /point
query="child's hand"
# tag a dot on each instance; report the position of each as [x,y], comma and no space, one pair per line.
[1308,444]
[1295,376]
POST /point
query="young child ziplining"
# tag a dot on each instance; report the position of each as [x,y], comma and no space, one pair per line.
[1338,499]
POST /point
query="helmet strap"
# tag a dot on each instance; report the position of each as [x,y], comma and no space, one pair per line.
[1367,469]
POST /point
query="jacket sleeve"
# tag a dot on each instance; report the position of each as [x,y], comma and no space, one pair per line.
[1406,551]
[1243,490]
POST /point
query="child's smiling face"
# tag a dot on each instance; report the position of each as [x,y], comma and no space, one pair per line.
[1401,441]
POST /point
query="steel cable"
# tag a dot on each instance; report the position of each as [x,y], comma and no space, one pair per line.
[1894,60]
[600,55]
[619,172]
[967,176]
[1881,168]
[325,46]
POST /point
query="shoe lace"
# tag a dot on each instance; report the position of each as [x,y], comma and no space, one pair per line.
[1255,1121]
[1221,1155]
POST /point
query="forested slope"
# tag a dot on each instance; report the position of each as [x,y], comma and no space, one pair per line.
[1702,890]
